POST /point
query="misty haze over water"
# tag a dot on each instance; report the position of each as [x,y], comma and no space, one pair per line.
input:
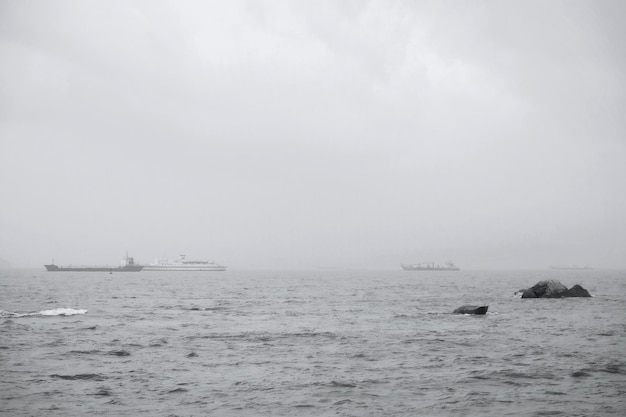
[310,148]
[299,135]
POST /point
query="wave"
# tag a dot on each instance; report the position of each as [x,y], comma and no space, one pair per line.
[45,313]
[93,377]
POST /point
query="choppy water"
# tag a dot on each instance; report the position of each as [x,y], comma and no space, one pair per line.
[318,343]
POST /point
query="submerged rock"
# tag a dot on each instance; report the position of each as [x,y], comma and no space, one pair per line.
[554,289]
[467,309]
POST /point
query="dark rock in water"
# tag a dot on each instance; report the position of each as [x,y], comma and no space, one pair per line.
[528,293]
[577,291]
[471,310]
[545,289]
[554,289]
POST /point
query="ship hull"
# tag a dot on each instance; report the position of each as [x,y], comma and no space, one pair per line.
[571,268]
[408,268]
[430,267]
[127,265]
[183,268]
[130,268]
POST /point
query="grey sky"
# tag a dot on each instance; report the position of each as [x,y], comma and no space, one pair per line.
[299,134]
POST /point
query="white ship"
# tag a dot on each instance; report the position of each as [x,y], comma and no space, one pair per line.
[182,264]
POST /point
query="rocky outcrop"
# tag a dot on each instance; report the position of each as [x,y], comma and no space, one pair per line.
[576,291]
[467,309]
[554,289]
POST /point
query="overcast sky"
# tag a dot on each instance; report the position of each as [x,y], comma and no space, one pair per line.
[304,134]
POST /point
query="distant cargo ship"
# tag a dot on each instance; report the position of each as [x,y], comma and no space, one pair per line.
[182,264]
[571,268]
[127,265]
[430,266]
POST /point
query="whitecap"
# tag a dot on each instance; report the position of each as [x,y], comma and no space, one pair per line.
[61,312]
[53,312]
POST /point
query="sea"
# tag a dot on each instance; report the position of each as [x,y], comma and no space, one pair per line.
[310,343]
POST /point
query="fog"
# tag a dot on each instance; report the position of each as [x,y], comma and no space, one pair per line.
[306,134]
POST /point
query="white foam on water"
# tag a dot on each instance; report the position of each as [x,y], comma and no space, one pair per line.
[54,312]
[61,312]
